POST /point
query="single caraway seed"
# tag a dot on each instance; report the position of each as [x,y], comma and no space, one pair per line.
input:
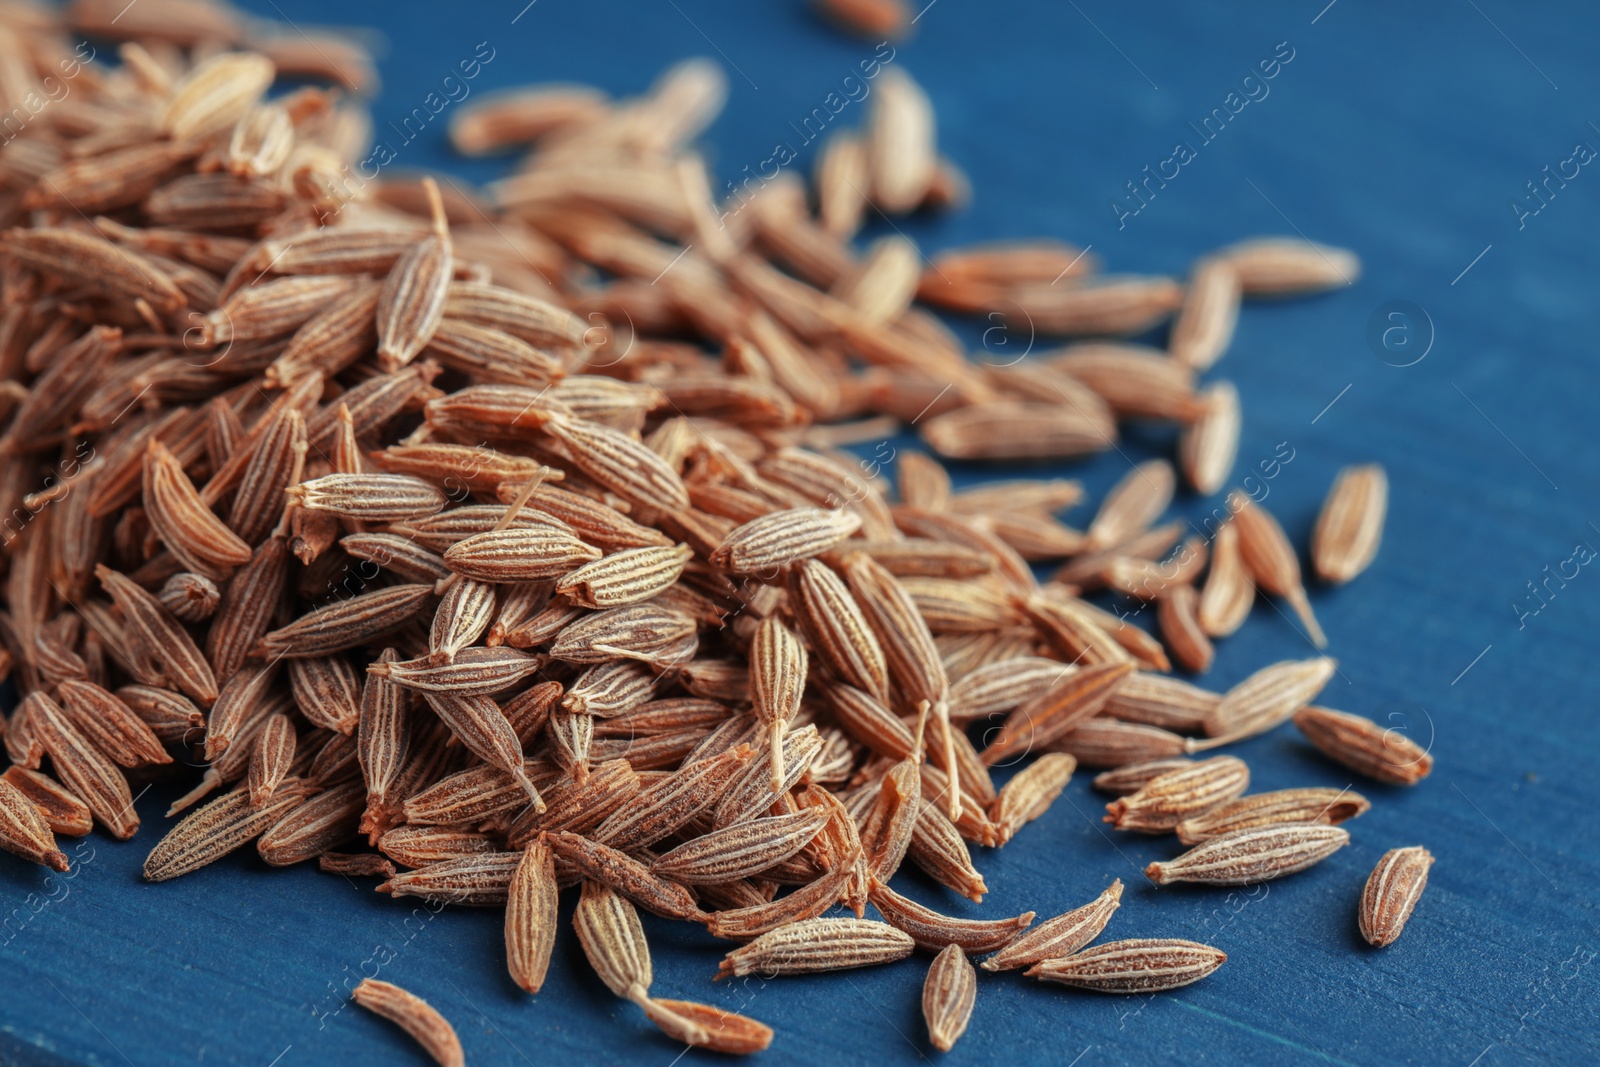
[1362,745]
[1271,560]
[413,1015]
[1270,696]
[1346,537]
[1030,793]
[215,830]
[933,931]
[1257,854]
[707,1026]
[1060,936]
[1392,892]
[613,939]
[1314,805]
[948,994]
[1138,965]
[531,917]
[23,830]
[815,945]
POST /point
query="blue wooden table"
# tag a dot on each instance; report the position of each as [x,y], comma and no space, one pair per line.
[1407,132]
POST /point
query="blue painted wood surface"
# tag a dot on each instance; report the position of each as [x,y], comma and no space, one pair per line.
[1403,131]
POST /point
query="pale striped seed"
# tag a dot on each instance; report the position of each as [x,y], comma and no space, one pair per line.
[346,624]
[1284,266]
[1106,742]
[479,880]
[1030,793]
[778,665]
[415,1016]
[310,829]
[1003,685]
[271,759]
[836,627]
[1387,755]
[109,724]
[1312,805]
[937,848]
[479,724]
[464,613]
[1271,560]
[327,692]
[1392,892]
[1161,700]
[383,738]
[215,830]
[181,518]
[613,940]
[1229,592]
[933,932]
[24,831]
[1132,505]
[160,635]
[621,464]
[214,95]
[411,303]
[1016,430]
[1256,854]
[1268,697]
[1058,937]
[625,577]
[519,554]
[948,994]
[1106,306]
[531,917]
[741,850]
[369,497]
[1074,699]
[817,945]
[642,632]
[783,537]
[673,802]
[1345,539]
[1209,445]
[1138,965]
[900,143]
[1204,326]
[82,767]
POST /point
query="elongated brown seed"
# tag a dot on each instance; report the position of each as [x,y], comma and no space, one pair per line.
[1345,539]
[1271,560]
[1362,745]
[413,1015]
[1060,936]
[1313,805]
[1392,892]
[948,995]
[1138,965]
[1257,854]
[531,917]
[815,945]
